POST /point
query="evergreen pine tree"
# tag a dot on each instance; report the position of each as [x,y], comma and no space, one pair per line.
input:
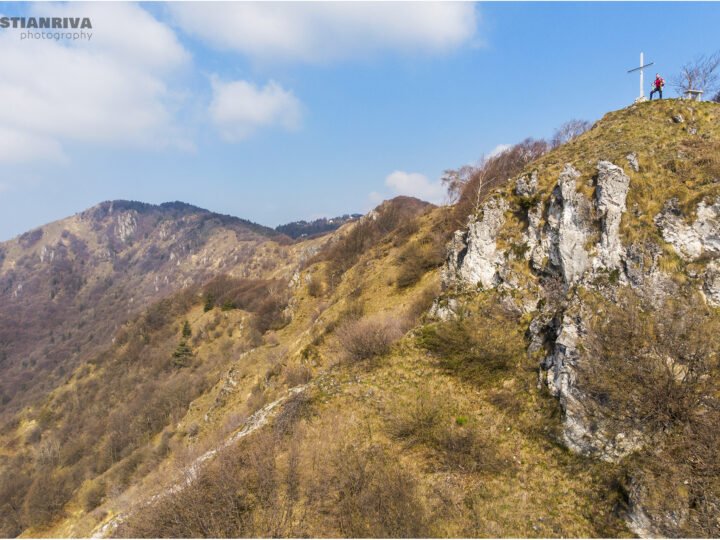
[182,355]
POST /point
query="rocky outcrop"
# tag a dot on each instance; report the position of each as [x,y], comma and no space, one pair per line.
[525,187]
[126,225]
[558,246]
[583,432]
[610,196]
[444,309]
[632,159]
[577,239]
[473,257]
[711,286]
[574,238]
[691,241]
[568,228]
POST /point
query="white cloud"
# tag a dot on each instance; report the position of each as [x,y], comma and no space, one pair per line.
[415,185]
[18,146]
[111,89]
[323,31]
[499,149]
[239,108]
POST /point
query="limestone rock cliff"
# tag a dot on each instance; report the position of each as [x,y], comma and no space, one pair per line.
[561,238]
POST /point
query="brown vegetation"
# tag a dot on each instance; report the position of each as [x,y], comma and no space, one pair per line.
[369,337]
[659,366]
[418,258]
[267,487]
[482,345]
[471,184]
[345,252]
[658,372]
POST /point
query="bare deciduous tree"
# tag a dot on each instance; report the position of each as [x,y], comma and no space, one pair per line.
[569,131]
[699,74]
[470,185]
[456,180]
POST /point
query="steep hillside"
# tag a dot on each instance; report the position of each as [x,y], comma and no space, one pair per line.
[112,422]
[610,244]
[549,370]
[66,287]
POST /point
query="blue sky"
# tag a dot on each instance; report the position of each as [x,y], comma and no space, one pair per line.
[277,112]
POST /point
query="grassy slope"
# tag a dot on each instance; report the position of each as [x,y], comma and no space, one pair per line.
[532,486]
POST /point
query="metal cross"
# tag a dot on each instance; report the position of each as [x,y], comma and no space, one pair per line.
[642,88]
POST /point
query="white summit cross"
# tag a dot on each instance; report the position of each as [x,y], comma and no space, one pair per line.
[641,97]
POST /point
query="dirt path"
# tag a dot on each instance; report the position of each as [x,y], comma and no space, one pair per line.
[189,474]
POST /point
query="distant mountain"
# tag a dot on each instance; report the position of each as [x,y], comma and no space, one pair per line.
[66,286]
[300,229]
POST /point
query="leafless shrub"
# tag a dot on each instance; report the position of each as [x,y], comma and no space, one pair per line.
[428,421]
[482,346]
[295,408]
[296,374]
[466,448]
[257,398]
[374,496]
[569,131]
[419,420]
[315,286]
[46,497]
[93,495]
[14,485]
[370,337]
[698,74]
[657,367]
[470,185]
[192,429]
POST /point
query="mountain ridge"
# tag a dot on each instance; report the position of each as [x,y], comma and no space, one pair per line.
[549,368]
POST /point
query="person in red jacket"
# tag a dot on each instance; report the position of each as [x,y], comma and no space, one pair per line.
[657,85]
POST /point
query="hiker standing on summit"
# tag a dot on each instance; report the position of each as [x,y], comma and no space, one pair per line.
[657,85]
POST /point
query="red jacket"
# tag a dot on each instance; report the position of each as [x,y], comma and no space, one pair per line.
[659,82]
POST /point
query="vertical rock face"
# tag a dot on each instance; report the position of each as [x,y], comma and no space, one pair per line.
[568,227]
[711,287]
[455,256]
[690,241]
[611,193]
[126,225]
[582,432]
[632,160]
[575,240]
[473,257]
[525,187]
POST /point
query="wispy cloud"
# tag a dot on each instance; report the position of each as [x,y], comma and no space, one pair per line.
[327,31]
[499,149]
[239,108]
[111,89]
[412,185]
